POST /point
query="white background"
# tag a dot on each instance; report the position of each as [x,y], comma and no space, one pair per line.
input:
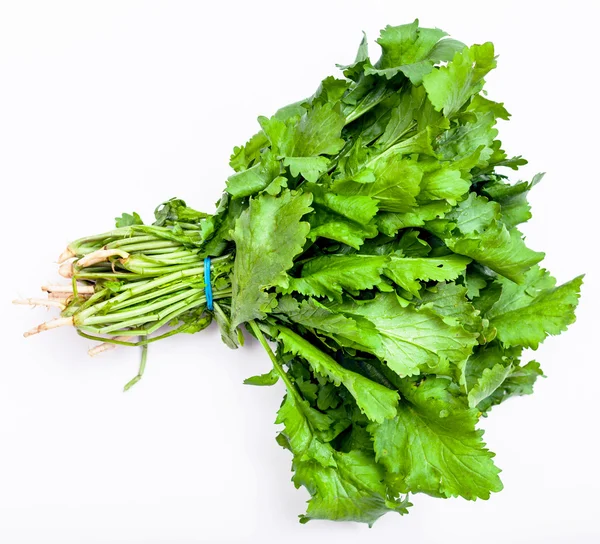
[108,107]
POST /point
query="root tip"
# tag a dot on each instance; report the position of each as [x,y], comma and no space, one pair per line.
[65,255]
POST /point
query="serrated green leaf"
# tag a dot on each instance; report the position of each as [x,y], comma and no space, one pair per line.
[375,400]
[254,179]
[397,183]
[127,219]
[330,276]
[268,235]
[551,312]
[412,340]
[354,490]
[449,301]
[449,87]
[433,444]
[490,380]
[406,272]
[310,168]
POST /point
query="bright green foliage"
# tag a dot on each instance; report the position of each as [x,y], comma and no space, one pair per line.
[548,313]
[433,446]
[412,339]
[374,400]
[449,87]
[268,235]
[370,233]
[407,309]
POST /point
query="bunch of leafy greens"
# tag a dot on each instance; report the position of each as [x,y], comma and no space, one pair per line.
[369,234]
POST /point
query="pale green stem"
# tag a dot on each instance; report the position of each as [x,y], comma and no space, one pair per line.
[276,364]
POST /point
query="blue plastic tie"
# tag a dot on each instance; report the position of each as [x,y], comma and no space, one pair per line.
[207,284]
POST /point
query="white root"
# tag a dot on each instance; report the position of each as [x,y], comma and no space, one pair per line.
[66,255]
[68,289]
[61,297]
[40,302]
[66,269]
[101,255]
[54,324]
[106,346]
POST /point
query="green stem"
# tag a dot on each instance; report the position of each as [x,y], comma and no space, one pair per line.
[119,243]
[140,373]
[122,232]
[276,364]
[175,257]
[89,276]
[145,288]
[129,323]
[152,295]
[159,244]
[141,310]
[175,311]
[155,270]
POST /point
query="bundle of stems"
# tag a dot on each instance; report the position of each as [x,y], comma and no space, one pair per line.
[135,285]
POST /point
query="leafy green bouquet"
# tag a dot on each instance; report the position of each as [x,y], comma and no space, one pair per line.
[370,242]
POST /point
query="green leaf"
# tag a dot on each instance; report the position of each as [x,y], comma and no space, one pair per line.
[310,168]
[270,378]
[406,44]
[513,296]
[449,301]
[355,70]
[433,445]
[346,219]
[512,199]
[277,185]
[329,276]
[397,183]
[475,215]
[390,223]
[354,490]
[360,209]
[331,90]
[324,224]
[470,144]
[324,322]
[502,250]
[412,51]
[418,143]
[443,184]
[127,219]
[400,121]
[449,87]
[412,340]
[172,211]
[327,397]
[482,105]
[483,371]
[268,235]
[490,380]
[411,245]
[254,179]
[519,382]
[406,271]
[317,132]
[551,312]
[376,401]
[474,230]
[302,426]
[247,155]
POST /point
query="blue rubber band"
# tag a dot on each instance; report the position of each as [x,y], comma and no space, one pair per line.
[207,284]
